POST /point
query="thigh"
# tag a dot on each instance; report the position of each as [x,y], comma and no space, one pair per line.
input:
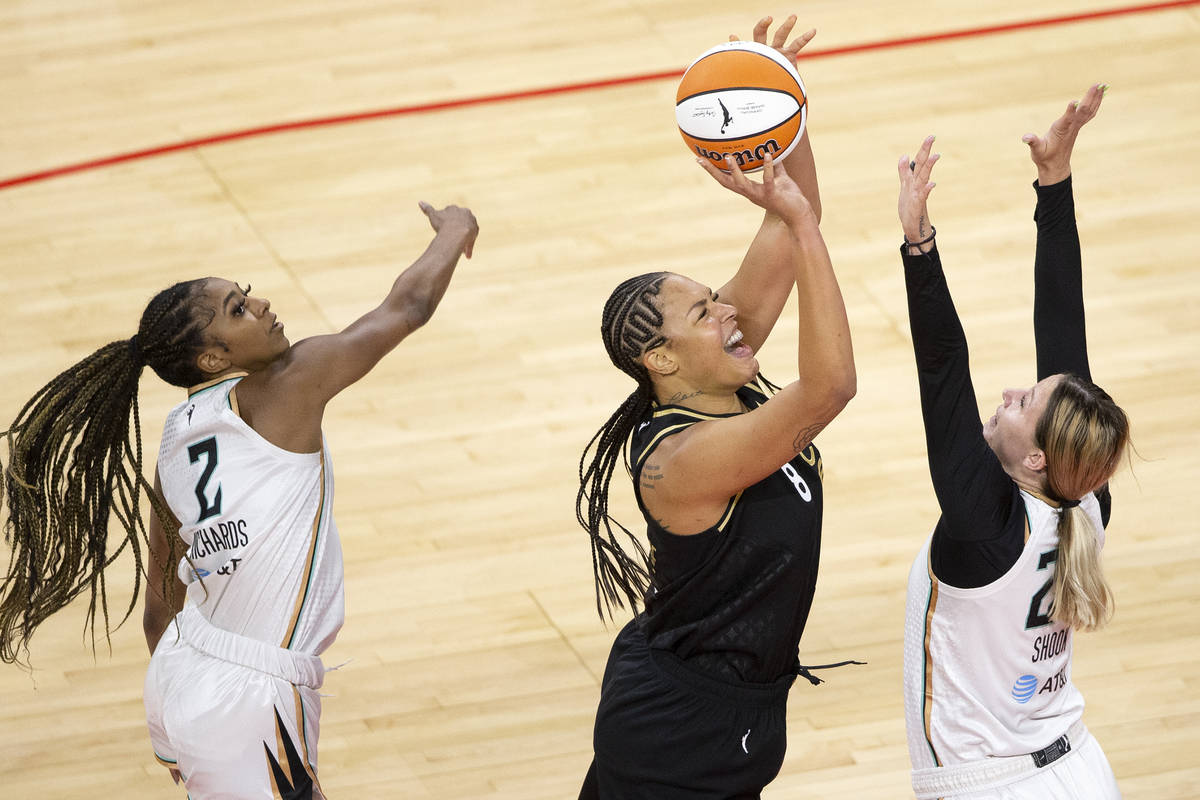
[656,738]
[239,733]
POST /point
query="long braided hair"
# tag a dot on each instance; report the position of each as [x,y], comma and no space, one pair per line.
[73,461]
[631,325]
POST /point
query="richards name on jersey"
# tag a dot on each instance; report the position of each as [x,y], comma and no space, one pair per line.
[222,536]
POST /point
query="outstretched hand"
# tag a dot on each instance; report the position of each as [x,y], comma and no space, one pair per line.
[1052,153]
[777,194]
[453,220]
[915,187]
[779,40]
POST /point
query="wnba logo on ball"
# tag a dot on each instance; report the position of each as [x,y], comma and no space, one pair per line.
[743,157]
[1024,688]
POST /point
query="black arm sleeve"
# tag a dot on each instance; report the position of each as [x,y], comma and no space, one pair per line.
[1058,323]
[1058,319]
[981,531]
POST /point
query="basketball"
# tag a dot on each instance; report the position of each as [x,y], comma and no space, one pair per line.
[742,99]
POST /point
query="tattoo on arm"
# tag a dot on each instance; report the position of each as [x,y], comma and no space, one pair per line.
[921,227]
[651,474]
[806,435]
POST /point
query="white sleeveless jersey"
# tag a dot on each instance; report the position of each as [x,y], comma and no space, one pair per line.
[263,559]
[986,672]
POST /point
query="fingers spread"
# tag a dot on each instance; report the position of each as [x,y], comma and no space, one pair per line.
[782,32]
[800,41]
[760,30]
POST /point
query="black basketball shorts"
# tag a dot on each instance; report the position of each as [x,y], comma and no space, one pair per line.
[667,732]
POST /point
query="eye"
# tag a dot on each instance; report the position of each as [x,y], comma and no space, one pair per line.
[1022,401]
[239,309]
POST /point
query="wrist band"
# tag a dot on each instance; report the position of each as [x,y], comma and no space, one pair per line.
[927,240]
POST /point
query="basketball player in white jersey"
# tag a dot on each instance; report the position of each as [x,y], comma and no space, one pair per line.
[244,553]
[1012,568]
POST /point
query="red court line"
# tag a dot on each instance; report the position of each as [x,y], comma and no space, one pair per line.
[523,94]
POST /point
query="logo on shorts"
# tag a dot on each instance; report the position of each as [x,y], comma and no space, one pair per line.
[1024,688]
[744,738]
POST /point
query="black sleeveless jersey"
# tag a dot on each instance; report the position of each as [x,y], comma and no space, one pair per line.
[733,600]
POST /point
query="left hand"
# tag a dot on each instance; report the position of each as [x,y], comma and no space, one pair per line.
[778,41]
[915,187]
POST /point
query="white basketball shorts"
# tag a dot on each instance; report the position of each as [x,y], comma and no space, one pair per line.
[237,717]
[1082,773]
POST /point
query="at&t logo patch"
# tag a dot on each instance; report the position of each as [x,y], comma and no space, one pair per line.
[1024,688]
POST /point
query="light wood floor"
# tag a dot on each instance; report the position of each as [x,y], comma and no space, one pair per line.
[474,645]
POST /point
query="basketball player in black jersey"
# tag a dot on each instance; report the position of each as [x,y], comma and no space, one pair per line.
[693,701]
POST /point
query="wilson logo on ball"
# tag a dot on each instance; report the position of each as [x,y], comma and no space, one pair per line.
[742,99]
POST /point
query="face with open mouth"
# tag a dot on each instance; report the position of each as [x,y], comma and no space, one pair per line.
[703,339]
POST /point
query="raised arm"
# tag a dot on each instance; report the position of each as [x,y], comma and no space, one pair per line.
[711,461]
[1058,317]
[328,364]
[764,280]
[285,402]
[977,497]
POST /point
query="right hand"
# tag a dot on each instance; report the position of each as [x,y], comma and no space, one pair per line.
[779,40]
[451,221]
[778,194]
[915,187]
[1051,153]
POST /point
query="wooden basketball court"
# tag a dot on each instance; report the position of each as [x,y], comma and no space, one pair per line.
[473,644]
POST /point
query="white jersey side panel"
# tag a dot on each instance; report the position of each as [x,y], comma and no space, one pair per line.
[986,672]
[265,558]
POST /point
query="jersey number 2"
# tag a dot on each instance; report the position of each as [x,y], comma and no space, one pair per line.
[208,449]
[1036,618]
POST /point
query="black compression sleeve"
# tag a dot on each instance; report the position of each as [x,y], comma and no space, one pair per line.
[981,532]
[1058,321]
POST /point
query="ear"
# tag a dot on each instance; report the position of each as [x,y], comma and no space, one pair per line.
[1035,461]
[212,362]
[660,361]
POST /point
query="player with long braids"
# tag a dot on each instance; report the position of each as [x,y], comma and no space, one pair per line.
[693,700]
[241,529]
[1012,568]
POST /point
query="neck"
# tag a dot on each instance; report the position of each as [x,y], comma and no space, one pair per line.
[700,400]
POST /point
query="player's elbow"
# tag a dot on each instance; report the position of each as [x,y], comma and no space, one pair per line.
[416,313]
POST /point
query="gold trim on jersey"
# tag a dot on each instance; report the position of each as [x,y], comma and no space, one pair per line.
[233,403]
[200,387]
[302,595]
[927,672]
[658,437]
[720,526]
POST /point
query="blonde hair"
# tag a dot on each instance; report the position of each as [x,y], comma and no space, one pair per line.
[1083,434]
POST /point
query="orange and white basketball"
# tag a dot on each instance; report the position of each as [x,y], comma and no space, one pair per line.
[742,99]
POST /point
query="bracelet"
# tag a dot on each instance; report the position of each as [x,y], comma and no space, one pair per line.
[926,240]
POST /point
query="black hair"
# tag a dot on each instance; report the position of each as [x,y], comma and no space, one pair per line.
[75,459]
[631,324]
